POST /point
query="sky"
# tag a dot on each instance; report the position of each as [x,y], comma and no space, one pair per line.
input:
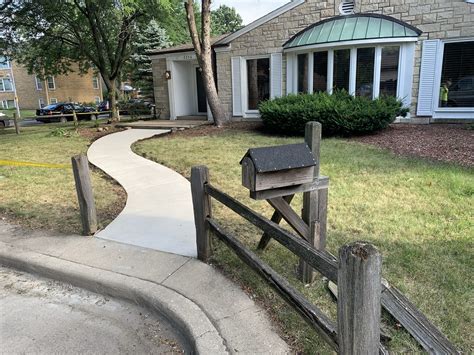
[251,10]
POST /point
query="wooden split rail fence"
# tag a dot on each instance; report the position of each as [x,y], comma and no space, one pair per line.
[361,291]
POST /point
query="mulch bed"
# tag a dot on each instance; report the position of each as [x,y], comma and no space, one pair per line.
[452,143]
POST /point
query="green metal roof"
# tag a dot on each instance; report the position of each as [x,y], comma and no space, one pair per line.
[352,27]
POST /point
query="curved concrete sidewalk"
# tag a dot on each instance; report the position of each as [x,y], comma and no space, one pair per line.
[159,212]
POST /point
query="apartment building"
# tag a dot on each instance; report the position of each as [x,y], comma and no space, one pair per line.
[33,92]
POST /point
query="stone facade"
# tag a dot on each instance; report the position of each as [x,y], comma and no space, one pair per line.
[72,87]
[161,87]
[438,19]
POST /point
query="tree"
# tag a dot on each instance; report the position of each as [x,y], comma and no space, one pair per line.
[139,66]
[50,36]
[225,20]
[203,50]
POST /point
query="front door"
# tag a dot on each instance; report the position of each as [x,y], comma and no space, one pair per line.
[201,94]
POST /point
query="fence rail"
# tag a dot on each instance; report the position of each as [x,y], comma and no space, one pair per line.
[354,293]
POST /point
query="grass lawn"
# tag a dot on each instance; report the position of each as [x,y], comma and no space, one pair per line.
[46,197]
[418,213]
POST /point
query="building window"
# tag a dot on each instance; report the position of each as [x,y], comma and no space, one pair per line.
[6,104]
[4,63]
[39,83]
[41,103]
[97,100]
[342,64]
[302,73]
[53,100]
[320,71]
[95,82]
[365,72]
[389,71]
[6,84]
[258,81]
[51,83]
[457,75]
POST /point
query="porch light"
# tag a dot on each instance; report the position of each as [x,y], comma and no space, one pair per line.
[168,75]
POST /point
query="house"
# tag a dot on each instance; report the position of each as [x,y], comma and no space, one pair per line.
[33,92]
[422,51]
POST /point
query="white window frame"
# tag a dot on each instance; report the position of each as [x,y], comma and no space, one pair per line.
[53,81]
[3,85]
[247,113]
[448,112]
[405,74]
[53,100]
[9,66]
[41,102]
[97,100]
[95,82]
[38,83]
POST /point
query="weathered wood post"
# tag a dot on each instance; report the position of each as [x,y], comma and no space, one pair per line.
[80,168]
[314,203]
[16,123]
[74,117]
[359,287]
[202,210]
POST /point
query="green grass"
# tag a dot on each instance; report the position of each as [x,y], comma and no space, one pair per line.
[23,113]
[418,213]
[46,197]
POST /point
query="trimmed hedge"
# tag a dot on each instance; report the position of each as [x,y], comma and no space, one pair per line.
[339,113]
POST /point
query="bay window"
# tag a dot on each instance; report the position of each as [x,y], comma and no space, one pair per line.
[365,72]
[341,69]
[320,71]
[389,71]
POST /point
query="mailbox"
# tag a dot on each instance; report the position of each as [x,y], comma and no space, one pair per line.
[276,167]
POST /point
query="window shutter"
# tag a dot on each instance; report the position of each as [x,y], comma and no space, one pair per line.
[236,86]
[427,77]
[276,60]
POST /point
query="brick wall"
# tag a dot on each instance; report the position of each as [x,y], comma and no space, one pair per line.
[71,87]
[438,19]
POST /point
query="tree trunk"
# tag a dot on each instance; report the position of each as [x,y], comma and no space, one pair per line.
[203,50]
[113,101]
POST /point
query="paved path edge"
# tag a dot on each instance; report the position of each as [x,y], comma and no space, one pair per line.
[188,317]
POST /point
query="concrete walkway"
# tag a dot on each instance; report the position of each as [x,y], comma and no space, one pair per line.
[211,312]
[159,212]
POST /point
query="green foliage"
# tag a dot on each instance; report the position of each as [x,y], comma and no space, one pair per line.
[62,132]
[225,20]
[340,113]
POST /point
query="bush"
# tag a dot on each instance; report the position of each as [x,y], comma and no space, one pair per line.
[339,114]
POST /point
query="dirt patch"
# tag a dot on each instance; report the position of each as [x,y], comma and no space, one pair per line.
[211,130]
[441,142]
[98,132]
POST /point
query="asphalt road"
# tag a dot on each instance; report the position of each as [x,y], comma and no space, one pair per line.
[43,316]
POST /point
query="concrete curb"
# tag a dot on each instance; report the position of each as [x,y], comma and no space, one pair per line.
[189,318]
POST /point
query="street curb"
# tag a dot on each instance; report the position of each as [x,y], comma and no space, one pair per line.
[189,318]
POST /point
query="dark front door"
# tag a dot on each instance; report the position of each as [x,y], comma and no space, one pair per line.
[201,94]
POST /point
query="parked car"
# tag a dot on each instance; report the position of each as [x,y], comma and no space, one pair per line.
[54,112]
[461,93]
[103,106]
[5,121]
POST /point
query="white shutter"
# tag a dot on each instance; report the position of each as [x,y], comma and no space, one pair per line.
[290,63]
[236,86]
[276,82]
[427,77]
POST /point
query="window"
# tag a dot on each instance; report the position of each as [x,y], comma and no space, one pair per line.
[41,103]
[342,64]
[53,100]
[457,75]
[389,71]
[320,71]
[39,83]
[8,104]
[95,82]
[97,100]
[258,81]
[365,72]
[4,63]
[51,83]
[6,84]
[302,73]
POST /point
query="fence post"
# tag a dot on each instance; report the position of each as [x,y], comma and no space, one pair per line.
[80,168]
[359,290]
[74,117]
[16,123]
[314,203]
[202,210]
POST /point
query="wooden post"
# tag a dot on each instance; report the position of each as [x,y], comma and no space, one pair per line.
[202,210]
[74,117]
[359,288]
[16,123]
[314,203]
[80,168]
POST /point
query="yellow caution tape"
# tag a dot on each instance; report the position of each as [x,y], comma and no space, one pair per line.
[37,165]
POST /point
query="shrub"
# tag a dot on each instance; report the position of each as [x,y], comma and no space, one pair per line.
[339,113]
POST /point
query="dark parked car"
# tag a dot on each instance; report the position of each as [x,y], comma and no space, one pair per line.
[55,112]
[103,106]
